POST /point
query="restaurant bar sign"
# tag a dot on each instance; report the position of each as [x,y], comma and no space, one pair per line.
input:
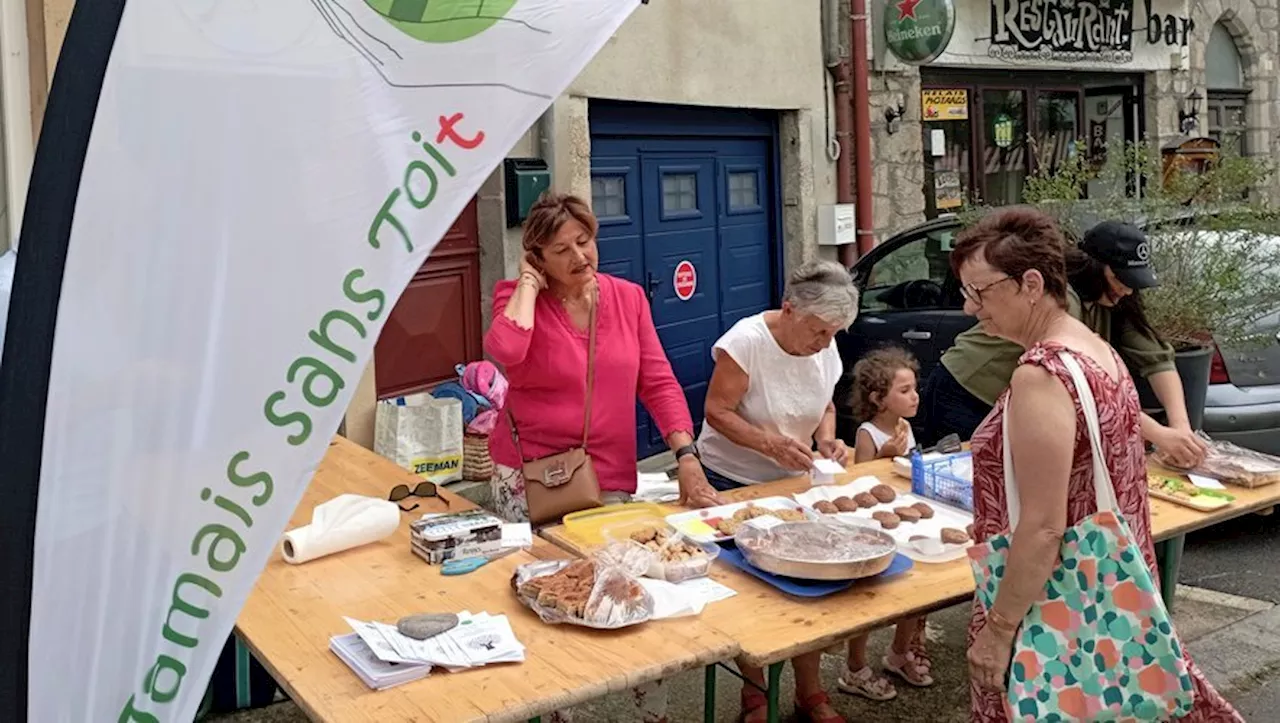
[918,31]
[1098,31]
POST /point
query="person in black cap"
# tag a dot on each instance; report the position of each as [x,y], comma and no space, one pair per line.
[1106,272]
[1118,253]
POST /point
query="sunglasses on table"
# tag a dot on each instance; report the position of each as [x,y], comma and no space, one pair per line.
[426,490]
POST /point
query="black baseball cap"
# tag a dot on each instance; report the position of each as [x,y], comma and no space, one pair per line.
[1125,248]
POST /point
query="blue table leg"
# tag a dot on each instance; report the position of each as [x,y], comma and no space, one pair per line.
[1169,558]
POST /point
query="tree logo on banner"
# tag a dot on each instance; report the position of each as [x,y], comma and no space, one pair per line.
[442,21]
[430,24]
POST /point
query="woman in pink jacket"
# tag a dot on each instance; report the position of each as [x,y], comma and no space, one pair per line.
[540,333]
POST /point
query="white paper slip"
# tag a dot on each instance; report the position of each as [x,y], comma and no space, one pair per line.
[828,466]
[517,534]
[825,470]
[656,487]
[709,590]
[671,600]
[1207,483]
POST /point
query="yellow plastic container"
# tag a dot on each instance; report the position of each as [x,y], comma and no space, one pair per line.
[587,527]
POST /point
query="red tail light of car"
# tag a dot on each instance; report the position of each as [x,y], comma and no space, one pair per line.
[1218,373]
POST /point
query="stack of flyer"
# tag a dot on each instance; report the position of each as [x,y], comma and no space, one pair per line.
[383,657]
[376,673]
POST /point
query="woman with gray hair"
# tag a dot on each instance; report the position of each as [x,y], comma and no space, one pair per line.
[768,405]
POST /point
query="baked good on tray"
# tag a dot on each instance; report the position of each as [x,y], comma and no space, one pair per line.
[887,520]
[846,504]
[586,593]
[730,526]
[952,536]
[884,493]
[826,507]
[669,545]
[866,500]
[926,512]
[907,514]
[817,550]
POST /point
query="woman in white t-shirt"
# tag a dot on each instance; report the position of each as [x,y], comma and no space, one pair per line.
[768,405]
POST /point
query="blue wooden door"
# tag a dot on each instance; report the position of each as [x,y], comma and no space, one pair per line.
[692,196]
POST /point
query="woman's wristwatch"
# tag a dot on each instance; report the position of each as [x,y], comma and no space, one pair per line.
[685,451]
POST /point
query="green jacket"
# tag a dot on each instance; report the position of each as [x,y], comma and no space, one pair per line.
[984,364]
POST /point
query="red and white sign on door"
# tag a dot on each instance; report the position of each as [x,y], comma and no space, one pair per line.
[686,280]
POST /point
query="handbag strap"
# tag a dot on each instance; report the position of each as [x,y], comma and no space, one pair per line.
[1104,491]
[591,364]
[591,381]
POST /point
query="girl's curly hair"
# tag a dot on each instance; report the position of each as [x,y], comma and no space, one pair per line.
[873,375]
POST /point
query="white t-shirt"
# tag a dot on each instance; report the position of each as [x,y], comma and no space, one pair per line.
[878,437]
[786,394]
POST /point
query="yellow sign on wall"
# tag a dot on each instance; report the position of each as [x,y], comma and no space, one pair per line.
[944,104]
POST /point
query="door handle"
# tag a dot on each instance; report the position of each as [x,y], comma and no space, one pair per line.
[652,283]
[915,335]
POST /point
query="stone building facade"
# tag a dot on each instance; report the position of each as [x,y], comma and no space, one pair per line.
[1223,52]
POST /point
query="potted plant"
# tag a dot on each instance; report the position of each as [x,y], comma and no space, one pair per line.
[1215,244]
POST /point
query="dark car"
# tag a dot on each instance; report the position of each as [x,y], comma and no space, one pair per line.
[909,297]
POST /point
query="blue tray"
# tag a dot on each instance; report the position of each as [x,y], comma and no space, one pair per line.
[806,588]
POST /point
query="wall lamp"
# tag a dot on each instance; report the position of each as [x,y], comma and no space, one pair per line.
[1189,112]
[893,114]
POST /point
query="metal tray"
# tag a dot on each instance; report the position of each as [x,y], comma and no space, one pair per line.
[816,550]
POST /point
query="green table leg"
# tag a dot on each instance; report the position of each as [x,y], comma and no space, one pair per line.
[709,695]
[1169,558]
[771,694]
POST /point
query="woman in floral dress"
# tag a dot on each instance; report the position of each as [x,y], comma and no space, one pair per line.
[1014,281]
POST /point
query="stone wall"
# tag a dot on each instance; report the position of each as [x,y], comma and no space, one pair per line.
[1255,27]
[897,158]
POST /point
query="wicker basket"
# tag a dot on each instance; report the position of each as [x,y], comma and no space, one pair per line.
[477,465]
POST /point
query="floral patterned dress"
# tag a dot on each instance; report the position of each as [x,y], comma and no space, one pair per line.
[1119,417]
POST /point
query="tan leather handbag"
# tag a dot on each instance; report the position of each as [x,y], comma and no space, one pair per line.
[566,482]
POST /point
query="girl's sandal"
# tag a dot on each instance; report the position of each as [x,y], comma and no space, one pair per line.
[867,684]
[809,709]
[912,668]
[753,701]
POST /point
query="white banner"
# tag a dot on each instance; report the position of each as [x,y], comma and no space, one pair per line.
[262,181]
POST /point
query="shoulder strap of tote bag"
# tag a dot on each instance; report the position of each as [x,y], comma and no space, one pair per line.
[1103,490]
[591,380]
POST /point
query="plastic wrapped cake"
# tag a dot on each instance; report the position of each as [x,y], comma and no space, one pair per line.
[816,550]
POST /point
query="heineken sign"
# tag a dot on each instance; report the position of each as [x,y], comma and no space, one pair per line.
[918,31]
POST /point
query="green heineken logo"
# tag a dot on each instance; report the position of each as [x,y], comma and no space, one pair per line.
[442,21]
[918,31]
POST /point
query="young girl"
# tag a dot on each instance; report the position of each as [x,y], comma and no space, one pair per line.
[885,397]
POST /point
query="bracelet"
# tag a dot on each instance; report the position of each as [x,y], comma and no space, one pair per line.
[1000,623]
[537,284]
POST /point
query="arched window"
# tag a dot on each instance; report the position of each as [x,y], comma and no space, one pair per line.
[1228,93]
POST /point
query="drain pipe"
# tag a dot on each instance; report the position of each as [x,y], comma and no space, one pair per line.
[17,145]
[835,42]
[861,133]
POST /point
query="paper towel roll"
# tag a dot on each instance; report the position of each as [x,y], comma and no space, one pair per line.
[342,523]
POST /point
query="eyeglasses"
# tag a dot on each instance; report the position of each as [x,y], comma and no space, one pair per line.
[423,489]
[974,293]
